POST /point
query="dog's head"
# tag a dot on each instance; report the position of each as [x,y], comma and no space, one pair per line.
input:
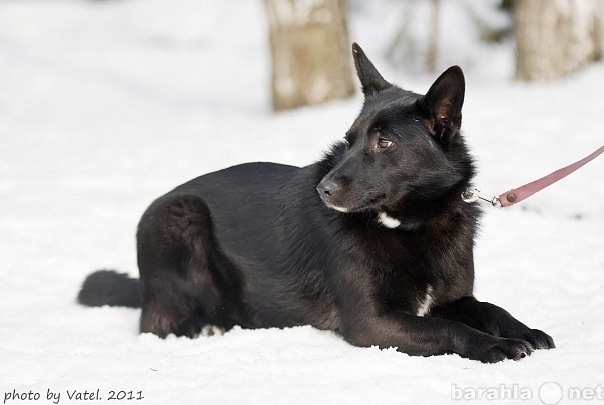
[403,149]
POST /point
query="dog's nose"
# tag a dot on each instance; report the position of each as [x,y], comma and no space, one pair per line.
[327,188]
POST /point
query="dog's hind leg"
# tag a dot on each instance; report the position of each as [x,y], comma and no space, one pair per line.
[179,262]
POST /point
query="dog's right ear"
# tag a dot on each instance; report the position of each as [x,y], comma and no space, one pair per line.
[443,102]
[372,81]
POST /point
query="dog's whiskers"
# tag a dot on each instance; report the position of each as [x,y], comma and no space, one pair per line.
[417,191]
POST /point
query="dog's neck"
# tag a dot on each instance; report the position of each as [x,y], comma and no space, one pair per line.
[438,214]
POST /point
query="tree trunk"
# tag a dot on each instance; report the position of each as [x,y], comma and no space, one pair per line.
[311,60]
[432,56]
[554,37]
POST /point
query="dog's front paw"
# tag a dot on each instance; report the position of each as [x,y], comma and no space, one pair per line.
[537,338]
[502,349]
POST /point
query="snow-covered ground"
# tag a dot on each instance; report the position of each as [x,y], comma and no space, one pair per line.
[105,105]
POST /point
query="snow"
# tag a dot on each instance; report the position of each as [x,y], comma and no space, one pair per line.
[105,105]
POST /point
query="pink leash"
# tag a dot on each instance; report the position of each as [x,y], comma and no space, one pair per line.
[516,195]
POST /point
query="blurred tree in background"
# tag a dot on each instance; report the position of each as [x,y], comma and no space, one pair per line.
[555,37]
[310,46]
[431,35]
[310,52]
[552,38]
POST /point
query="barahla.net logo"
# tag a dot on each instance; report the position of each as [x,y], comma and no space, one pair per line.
[549,393]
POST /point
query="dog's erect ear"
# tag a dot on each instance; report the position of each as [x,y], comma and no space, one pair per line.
[371,80]
[442,104]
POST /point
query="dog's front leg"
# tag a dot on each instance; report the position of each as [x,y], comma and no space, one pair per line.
[424,336]
[493,320]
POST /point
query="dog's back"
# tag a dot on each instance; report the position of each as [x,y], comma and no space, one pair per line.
[273,230]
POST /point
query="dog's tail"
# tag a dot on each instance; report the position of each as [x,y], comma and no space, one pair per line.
[107,287]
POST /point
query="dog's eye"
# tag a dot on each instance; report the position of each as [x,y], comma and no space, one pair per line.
[383,143]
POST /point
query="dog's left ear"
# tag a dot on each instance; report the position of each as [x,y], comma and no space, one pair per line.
[371,80]
[442,104]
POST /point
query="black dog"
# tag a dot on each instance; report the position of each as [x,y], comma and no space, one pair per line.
[373,241]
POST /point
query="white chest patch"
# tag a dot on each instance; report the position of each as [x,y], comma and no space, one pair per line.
[341,209]
[426,302]
[388,221]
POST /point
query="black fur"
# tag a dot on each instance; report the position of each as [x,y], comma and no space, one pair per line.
[106,287]
[373,241]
